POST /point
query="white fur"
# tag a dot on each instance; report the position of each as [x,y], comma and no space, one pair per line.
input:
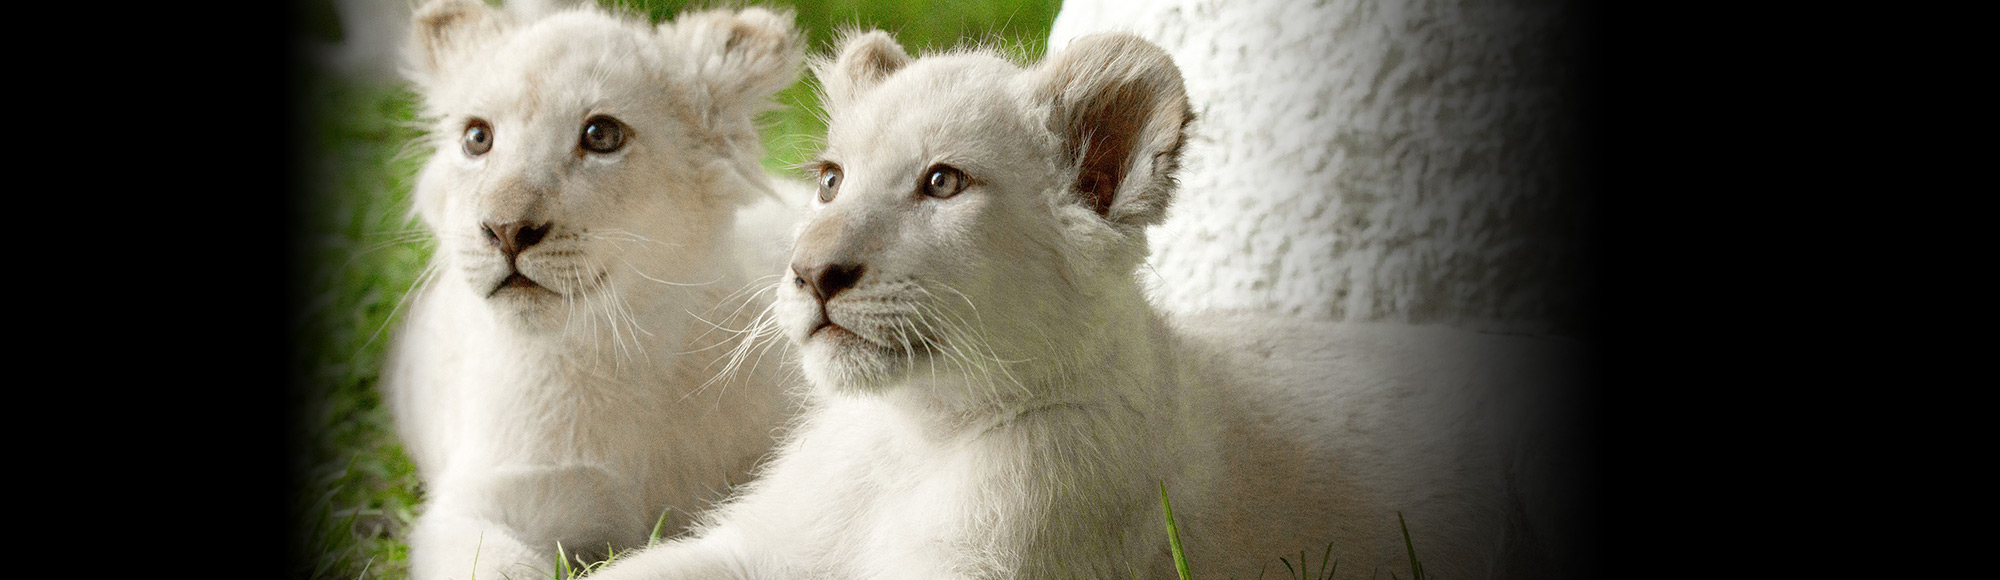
[578,414]
[996,398]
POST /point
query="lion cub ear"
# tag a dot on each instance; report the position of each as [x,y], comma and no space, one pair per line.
[743,57]
[866,59]
[445,30]
[1118,104]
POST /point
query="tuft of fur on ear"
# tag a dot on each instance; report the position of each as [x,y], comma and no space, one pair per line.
[445,30]
[1118,103]
[866,59]
[738,60]
[742,57]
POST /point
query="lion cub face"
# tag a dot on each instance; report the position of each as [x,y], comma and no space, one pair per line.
[579,161]
[971,212]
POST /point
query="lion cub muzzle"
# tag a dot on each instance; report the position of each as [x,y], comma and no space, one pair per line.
[826,280]
[833,252]
[513,237]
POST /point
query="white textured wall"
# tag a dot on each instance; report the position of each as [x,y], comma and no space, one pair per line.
[1366,160]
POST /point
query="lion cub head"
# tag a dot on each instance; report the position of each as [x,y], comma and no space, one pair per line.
[973,214]
[583,165]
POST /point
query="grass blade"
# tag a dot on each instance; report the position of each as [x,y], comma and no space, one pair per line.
[1174,535]
[1327,558]
[655,537]
[1416,568]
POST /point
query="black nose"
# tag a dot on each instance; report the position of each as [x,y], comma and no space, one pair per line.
[827,280]
[514,237]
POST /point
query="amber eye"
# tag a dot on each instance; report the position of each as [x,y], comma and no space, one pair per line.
[602,134]
[944,181]
[829,183]
[478,138]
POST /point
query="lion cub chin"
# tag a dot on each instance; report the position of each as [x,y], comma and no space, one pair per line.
[565,375]
[994,397]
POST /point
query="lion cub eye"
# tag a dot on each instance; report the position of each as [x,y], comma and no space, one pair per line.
[478,138]
[829,183]
[602,134]
[944,181]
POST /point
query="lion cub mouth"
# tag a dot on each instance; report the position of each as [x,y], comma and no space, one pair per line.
[847,339]
[841,339]
[824,323]
[520,284]
[834,331]
[836,334]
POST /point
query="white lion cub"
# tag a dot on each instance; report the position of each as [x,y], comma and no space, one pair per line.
[557,380]
[994,397]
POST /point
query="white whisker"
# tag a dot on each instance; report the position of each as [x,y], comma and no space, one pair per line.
[425,278]
[642,274]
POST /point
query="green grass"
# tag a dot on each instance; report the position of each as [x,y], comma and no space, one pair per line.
[1174,535]
[360,491]
[1327,564]
[1416,567]
[359,255]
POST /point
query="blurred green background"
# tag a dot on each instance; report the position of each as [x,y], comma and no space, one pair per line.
[358,253]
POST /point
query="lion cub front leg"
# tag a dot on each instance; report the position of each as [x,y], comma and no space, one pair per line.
[513,519]
[446,544]
[718,554]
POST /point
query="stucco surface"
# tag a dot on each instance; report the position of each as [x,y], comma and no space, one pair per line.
[1401,160]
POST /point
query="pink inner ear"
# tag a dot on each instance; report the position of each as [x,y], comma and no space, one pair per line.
[1107,129]
[1098,189]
